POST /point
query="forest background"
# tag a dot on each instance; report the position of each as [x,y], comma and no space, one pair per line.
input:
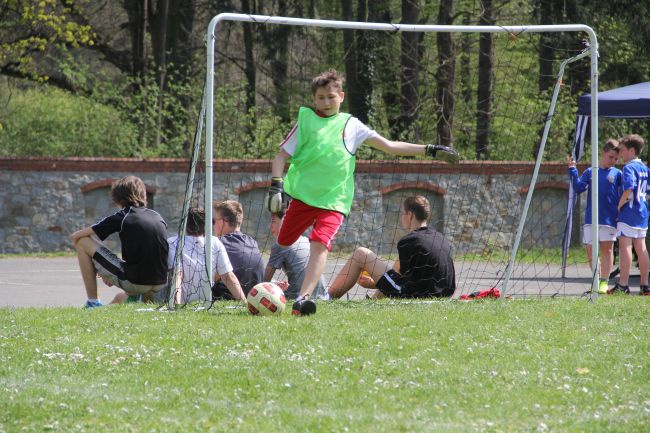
[125,78]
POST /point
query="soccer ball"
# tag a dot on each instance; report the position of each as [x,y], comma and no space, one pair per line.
[265,299]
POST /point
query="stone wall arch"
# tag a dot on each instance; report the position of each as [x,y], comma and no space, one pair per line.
[392,198]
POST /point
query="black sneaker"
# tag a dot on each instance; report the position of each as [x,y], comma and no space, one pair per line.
[618,289]
[645,291]
[303,307]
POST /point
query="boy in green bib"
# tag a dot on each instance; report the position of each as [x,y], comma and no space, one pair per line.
[321,149]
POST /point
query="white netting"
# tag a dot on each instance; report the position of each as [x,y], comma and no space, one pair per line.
[262,76]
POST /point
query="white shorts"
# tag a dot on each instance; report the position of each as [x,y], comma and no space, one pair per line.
[630,232]
[605,234]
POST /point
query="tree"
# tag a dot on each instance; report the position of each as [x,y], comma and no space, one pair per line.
[388,65]
[485,84]
[357,46]
[29,30]
[410,67]
[445,75]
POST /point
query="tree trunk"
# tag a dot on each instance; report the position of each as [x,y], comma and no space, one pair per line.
[410,65]
[158,21]
[445,75]
[136,11]
[546,53]
[485,84]
[387,65]
[357,47]
[250,71]
[280,64]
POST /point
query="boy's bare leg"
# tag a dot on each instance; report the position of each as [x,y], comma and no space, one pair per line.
[86,248]
[606,258]
[120,298]
[362,259]
[642,254]
[315,267]
[588,252]
[625,251]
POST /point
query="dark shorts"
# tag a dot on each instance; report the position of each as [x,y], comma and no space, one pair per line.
[111,268]
[394,285]
[390,284]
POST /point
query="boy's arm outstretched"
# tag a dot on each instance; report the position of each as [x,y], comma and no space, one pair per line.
[437,151]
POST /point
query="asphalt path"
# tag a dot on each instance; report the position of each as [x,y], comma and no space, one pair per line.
[56,282]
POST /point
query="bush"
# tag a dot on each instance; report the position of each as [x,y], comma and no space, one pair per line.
[49,122]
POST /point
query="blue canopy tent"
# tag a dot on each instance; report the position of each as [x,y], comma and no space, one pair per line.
[629,102]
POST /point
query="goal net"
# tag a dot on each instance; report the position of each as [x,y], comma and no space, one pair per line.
[504,97]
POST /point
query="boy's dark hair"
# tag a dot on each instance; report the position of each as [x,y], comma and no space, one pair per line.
[327,78]
[279,215]
[129,191]
[195,222]
[419,205]
[610,144]
[230,210]
[633,141]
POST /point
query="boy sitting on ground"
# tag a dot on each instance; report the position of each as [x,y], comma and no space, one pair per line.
[142,270]
[243,252]
[192,274]
[425,267]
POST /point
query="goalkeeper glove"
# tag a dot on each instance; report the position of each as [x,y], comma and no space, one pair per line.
[275,196]
[442,153]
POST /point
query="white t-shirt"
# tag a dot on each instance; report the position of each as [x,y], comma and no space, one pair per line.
[193,263]
[354,135]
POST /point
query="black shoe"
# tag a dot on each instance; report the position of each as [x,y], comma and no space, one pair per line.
[618,289]
[303,307]
[645,291]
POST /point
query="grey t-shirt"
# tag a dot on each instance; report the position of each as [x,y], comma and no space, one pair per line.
[293,261]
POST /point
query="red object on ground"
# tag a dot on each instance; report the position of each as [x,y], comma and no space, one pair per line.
[492,293]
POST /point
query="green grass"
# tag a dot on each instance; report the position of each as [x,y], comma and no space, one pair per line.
[561,365]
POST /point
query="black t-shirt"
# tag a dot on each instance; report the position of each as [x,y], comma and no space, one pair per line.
[245,258]
[143,234]
[426,264]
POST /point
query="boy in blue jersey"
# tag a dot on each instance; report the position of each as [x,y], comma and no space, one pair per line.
[609,192]
[633,214]
[322,149]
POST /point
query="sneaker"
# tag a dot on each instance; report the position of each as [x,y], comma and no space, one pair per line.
[645,291]
[618,289]
[303,307]
[93,304]
[603,287]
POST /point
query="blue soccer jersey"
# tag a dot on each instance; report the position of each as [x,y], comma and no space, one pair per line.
[610,181]
[634,213]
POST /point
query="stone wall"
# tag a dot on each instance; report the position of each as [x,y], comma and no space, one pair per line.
[43,200]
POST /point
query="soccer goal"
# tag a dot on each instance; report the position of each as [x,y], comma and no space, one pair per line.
[504,96]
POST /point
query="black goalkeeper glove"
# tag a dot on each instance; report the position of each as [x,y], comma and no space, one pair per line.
[442,153]
[275,197]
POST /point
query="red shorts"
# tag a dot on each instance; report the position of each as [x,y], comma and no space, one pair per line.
[301,216]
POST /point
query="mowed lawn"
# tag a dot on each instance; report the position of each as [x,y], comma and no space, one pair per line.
[562,365]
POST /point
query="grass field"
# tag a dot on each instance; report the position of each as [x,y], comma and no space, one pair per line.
[562,365]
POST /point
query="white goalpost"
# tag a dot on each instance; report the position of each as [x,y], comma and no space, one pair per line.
[436,180]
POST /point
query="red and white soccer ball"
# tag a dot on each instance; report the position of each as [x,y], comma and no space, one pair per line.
[266,299]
